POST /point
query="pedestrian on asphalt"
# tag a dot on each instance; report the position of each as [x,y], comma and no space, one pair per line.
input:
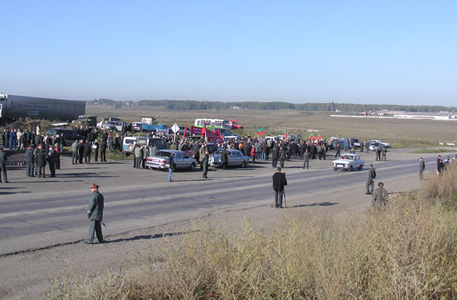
[224,158]
[306,159]
[171,165]
[95,214]
[421,168]
[30,159]
[380,196]
[205,164]
[41,161]
[371,178]
[279,182]
[3,160]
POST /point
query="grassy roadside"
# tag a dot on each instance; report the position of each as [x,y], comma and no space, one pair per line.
[405,251]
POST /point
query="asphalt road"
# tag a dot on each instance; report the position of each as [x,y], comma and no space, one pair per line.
[38,213]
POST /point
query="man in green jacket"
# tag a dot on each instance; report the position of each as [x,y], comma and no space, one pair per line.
[95,214]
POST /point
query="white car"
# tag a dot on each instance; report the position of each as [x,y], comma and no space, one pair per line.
[381,143]
[181,159]
[348,162]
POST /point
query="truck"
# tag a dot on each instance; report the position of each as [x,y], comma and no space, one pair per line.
[234,124]
[14,107]
[148,120]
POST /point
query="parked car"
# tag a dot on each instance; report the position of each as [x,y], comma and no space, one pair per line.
[136,126]
[381,143]
[235,158]
[181,159]
[69,135]
[348,162]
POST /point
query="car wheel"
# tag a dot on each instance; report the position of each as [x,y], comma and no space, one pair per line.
[360,168]
[350,168]
[192,167]
[243,164]
[335,168]
[127,154]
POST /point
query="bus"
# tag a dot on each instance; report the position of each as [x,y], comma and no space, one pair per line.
[214,123]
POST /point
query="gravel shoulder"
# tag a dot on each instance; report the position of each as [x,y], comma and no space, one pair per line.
[28,274]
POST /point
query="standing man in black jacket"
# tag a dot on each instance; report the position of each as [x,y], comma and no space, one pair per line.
[279,181]
[3,160]
[95,214]
[30,159]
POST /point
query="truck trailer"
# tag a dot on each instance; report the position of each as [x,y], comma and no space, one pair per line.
[13,107]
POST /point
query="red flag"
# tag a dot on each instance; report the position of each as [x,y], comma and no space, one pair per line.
[285,133]
[185,129]
[319,137]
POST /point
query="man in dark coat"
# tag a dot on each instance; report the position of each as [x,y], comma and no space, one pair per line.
[205,164]
[3,160]
[87,152]
[439,165]
[30,159]
[224,158]
[370,181]
[81,151]
[103,151]
[279,181]
[52,160]
[95,214]
[41,161]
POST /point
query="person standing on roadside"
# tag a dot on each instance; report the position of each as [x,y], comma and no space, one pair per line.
[41,161]
[30,159]
[95,214]
[52,159]
[224,158]
[279,181]
[3,160]
[439,165]
[371,178]
[306,159]
[380,196]
[171,166]
[205,162]
[74,152]
[421,168]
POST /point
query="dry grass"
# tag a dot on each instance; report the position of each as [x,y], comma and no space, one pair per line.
[405,251]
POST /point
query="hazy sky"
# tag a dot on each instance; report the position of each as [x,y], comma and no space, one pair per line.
[385,52]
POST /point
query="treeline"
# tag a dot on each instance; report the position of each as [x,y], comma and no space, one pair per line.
[343,107]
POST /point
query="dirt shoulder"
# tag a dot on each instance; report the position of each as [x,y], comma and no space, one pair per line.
[29,274]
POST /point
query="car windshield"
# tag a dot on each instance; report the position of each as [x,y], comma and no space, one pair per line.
[128,141]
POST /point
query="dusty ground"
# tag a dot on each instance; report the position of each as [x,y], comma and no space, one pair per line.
[28,274]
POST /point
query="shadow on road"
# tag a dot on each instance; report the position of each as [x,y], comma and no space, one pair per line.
[149,236]
[315,204]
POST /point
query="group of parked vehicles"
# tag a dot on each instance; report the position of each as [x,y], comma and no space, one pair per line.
[185,160]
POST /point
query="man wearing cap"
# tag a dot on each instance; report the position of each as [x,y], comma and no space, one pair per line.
[95,214]
[380,196]
[279,181]
[3,159]
[370,181]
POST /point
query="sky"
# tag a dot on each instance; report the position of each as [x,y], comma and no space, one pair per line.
[366,52]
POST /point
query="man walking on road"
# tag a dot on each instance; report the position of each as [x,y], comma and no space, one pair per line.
[371,178]
[95,214]
[279,181]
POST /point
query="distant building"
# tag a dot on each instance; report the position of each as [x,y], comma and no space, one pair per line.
[235,107]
